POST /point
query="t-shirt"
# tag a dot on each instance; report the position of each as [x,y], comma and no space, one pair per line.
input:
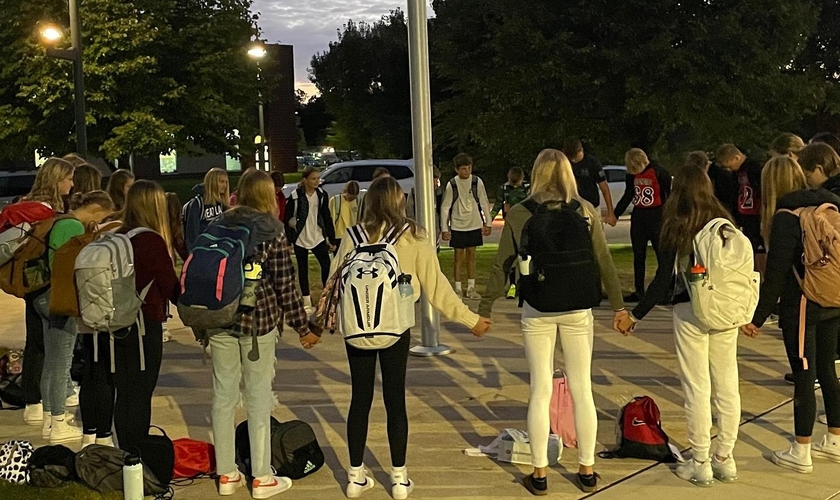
[348,216]
[589,173]
[464,214]
[311,236]
[646,190]
[62,231]
[749,189]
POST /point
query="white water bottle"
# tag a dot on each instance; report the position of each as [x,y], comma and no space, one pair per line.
[132,477]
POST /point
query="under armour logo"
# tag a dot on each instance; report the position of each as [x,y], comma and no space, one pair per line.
[374,273]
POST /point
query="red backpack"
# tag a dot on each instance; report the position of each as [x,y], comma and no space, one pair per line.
[639,433]
[193,459]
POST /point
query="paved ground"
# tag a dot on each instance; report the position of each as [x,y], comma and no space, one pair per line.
[618,235]
[465,399]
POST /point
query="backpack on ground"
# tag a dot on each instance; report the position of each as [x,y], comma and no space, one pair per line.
[294,449]
[372,313]
[158,454]
[639,433]
[16,223]
[213,277]
[108,298]
[11,379]
[562,412]
[14,456]
[193,459]
[564,275]
[727,296]
[456,195]
[101,469]
[28,270]
[51,466]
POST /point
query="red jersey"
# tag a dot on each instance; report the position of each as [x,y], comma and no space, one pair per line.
[749,194]
[648,192]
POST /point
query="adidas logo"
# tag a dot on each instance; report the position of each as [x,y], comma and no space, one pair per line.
[309,467]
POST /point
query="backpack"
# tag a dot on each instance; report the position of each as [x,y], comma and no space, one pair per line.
[371,312]
[16,223]
[108,298]
[193,459]
[28,270]
[101,468]
[51,466]
[64,298]
[561,411]
[639,433]
[456,195]
[213,277]
[14,456]
[728,295]
[294,449]
[158,453]
[564,275]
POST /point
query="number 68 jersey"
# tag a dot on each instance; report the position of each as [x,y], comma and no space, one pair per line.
[648,191]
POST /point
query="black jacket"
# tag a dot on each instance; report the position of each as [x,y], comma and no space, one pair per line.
[297,213]
[833,185]
[196,215]
[780,284]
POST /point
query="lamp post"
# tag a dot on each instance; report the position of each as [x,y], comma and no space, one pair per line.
[51,34]
[257,52]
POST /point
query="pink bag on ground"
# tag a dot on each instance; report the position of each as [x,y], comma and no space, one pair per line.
[561,411]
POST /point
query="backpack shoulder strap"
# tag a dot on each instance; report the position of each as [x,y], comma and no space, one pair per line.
[358,235]
[394,234]
[797,212]
[137,230]
[530,205]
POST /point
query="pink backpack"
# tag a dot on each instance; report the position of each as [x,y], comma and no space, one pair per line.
[562,412]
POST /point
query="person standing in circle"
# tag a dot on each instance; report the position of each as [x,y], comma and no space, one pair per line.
[590,177]
[211,199]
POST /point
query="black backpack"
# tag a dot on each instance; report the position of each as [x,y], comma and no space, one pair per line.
[158,453]
[51,466]
[294,449]
[564,274]
[101,468]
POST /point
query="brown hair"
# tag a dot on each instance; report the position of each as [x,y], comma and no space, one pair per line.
[691,205]
[45,187]
[86,179]
[74,159]
[697,159]
[380,172]
[827,138]
[145,206]
[98,197]
[820,154]
[571,147]
[176,225]
[308,171]
[726,152]
[256,190]
[462,160]
[351,188]
[787,143]
[385,207]
[278,178]
[636,160]
[515,174]
[116,187]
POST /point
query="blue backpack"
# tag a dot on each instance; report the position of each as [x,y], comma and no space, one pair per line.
[213,277]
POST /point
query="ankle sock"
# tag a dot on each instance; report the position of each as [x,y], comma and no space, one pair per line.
[801,450]
[457,286]
[540,483]
[470,283]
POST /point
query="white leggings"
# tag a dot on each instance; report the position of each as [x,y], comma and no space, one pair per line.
[539,332]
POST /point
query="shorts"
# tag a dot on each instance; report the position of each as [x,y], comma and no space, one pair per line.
[751,227]
[466,239]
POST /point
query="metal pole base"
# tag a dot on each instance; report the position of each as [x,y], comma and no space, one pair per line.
[438,350]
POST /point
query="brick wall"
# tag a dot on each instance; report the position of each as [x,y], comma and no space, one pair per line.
[280,122]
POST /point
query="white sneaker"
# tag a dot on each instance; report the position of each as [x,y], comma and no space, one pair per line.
[46,427]
[725,471]
[72,401]
[698,473]
[88,439]
[33,414]
[823,419]
[166,336]
[274,486]
[108,441]
[358,482]
[460,293]
[825,449]
[472,294]
[62,432]
[789,460]
[229,483]
[401,485]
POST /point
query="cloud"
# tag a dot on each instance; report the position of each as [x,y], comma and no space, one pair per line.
[310,25]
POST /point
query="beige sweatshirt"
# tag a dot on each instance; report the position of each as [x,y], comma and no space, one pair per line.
[418,258]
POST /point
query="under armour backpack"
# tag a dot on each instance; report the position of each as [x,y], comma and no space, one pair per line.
[639,433]
[727,296]
[372,313]
[213,277]
[564,275]
[295,452]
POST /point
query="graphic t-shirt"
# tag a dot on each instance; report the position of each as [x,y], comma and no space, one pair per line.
[589,173]
[749,189]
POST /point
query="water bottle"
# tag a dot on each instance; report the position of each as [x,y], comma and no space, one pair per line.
[253,276]
[525,265]
[404,284]
[133,477]
[697,273]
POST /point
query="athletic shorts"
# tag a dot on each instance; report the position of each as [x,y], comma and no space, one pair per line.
[466,239]
[751,227]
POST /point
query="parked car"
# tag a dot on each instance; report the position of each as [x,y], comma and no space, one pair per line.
[334,177]
[13,185]
[616,180]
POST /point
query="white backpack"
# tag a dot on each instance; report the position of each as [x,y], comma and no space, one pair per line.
[727,297]
[372,313]
[108,298]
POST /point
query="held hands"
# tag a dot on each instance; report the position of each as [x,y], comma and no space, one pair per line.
[750,330]
[486,230]
[482,327]
[446,235]
[611,220]
[623,323]
[309,340]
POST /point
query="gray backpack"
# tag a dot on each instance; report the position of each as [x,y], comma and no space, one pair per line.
[108,298]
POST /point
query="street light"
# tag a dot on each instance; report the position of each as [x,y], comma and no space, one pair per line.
[51,34]
[257,52]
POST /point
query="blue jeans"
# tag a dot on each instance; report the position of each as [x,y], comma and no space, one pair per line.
[59,340]
[230,362]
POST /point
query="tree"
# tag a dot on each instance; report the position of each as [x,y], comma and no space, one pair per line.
[159,74]
[364,83]
[821,60]
[314,120]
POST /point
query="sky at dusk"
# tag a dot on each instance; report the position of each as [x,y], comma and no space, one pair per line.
[310,25]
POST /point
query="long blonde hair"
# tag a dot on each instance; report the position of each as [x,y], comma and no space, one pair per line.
[780,176]
[552,178]
[145,206]
[45,187]
[212,194]
[385,208]
[256,190]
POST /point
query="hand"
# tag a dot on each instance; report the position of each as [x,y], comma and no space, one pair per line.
[486,230]
[623,323]
[611,220]
[482,327]
[309,340]
[446,236]
[750,330]
[314,328]
[332,248]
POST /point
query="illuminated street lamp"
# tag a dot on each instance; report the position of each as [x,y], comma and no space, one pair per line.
[257,52]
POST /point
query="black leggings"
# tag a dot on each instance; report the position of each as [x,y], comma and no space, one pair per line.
[821,339]
[133,406]
[392,364]
[322,253]
[644,228]
[96,395]
[33,352]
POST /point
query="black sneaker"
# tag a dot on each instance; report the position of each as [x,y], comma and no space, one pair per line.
[588,483]
[633,297]
[528,482]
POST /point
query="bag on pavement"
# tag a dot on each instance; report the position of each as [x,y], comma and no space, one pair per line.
[51,466]
[562,411]
[639,433]
[11,379]
[158,453]
[101,468]
[295,452]
[513,446]
[14,456]
[193,459]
